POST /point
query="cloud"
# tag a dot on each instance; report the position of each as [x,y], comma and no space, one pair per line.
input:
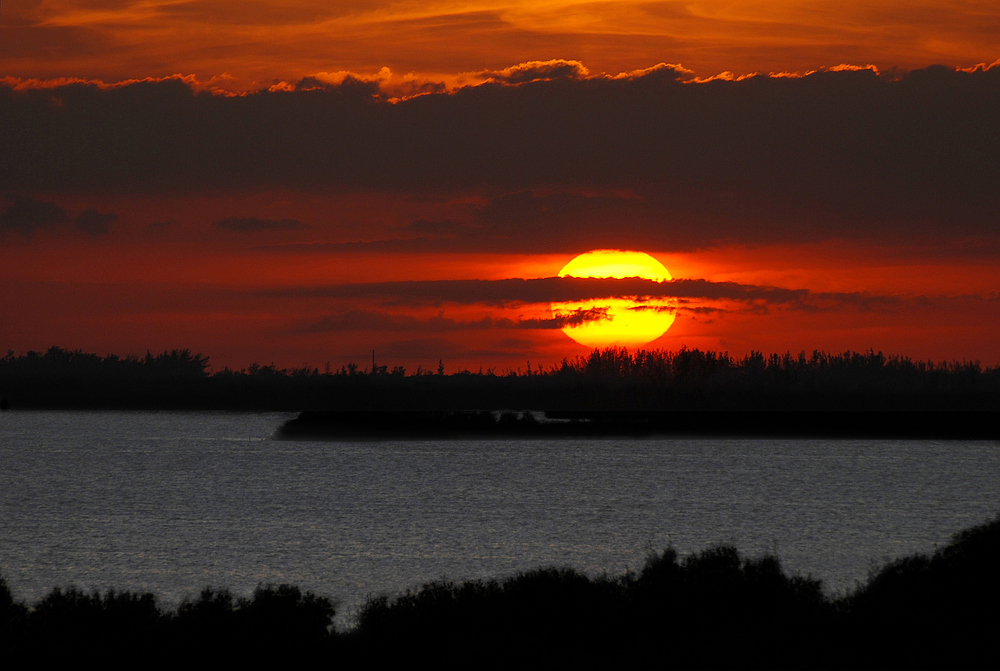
[247,224]
[211,12]
[557,153]
[25,216]
[374,320]
[533,71]
[514,292]
[95,224]
[437,226]
[43,42]
[560,222]
[407,245]
[384,84]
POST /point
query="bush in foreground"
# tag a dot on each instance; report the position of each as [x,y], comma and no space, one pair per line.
[714,609]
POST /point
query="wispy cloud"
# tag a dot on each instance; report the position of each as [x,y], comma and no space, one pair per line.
[250,224]
[374,320]
[515,291]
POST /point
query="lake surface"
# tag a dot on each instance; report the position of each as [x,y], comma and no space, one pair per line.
[173,502]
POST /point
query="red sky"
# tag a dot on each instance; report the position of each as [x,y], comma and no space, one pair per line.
[303,182]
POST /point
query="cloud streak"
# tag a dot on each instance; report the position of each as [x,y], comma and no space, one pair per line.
[253,224]
[513,292]
[94,223]
[25,216]
[374,320]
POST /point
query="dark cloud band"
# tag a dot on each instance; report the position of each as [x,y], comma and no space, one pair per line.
[569,289]
[849,151]
[374,320]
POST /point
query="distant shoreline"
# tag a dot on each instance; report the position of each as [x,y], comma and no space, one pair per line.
[611,391]
[458,425]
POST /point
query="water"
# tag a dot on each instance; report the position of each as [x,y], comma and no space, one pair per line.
[173,502]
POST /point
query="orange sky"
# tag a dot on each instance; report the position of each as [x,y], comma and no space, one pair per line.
[247,45]
[846,208]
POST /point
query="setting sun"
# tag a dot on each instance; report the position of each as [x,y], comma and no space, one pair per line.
[319,180]
[627,322]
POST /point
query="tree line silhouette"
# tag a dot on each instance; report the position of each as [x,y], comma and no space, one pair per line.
[76,364]
[608,379]
[713,609]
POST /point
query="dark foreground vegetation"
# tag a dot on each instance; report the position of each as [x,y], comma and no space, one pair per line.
[605,380]
[713,609]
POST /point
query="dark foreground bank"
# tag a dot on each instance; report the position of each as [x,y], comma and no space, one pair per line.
[714,609]
[465,425]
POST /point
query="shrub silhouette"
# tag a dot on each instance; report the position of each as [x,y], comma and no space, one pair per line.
[713,609]
[86,625]
[277,623]
[13,622]
[673,614]
[281,618]
[765,617]
[207,625]
[548,613]
[937,611]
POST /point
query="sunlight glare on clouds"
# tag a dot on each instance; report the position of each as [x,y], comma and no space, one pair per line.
[261,43]
[329,164]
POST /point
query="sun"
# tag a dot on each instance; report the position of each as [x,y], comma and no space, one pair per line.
[628,322]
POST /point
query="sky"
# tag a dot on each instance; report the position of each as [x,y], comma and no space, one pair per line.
[301,183]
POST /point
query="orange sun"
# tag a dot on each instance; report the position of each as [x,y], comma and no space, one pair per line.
[628,322]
